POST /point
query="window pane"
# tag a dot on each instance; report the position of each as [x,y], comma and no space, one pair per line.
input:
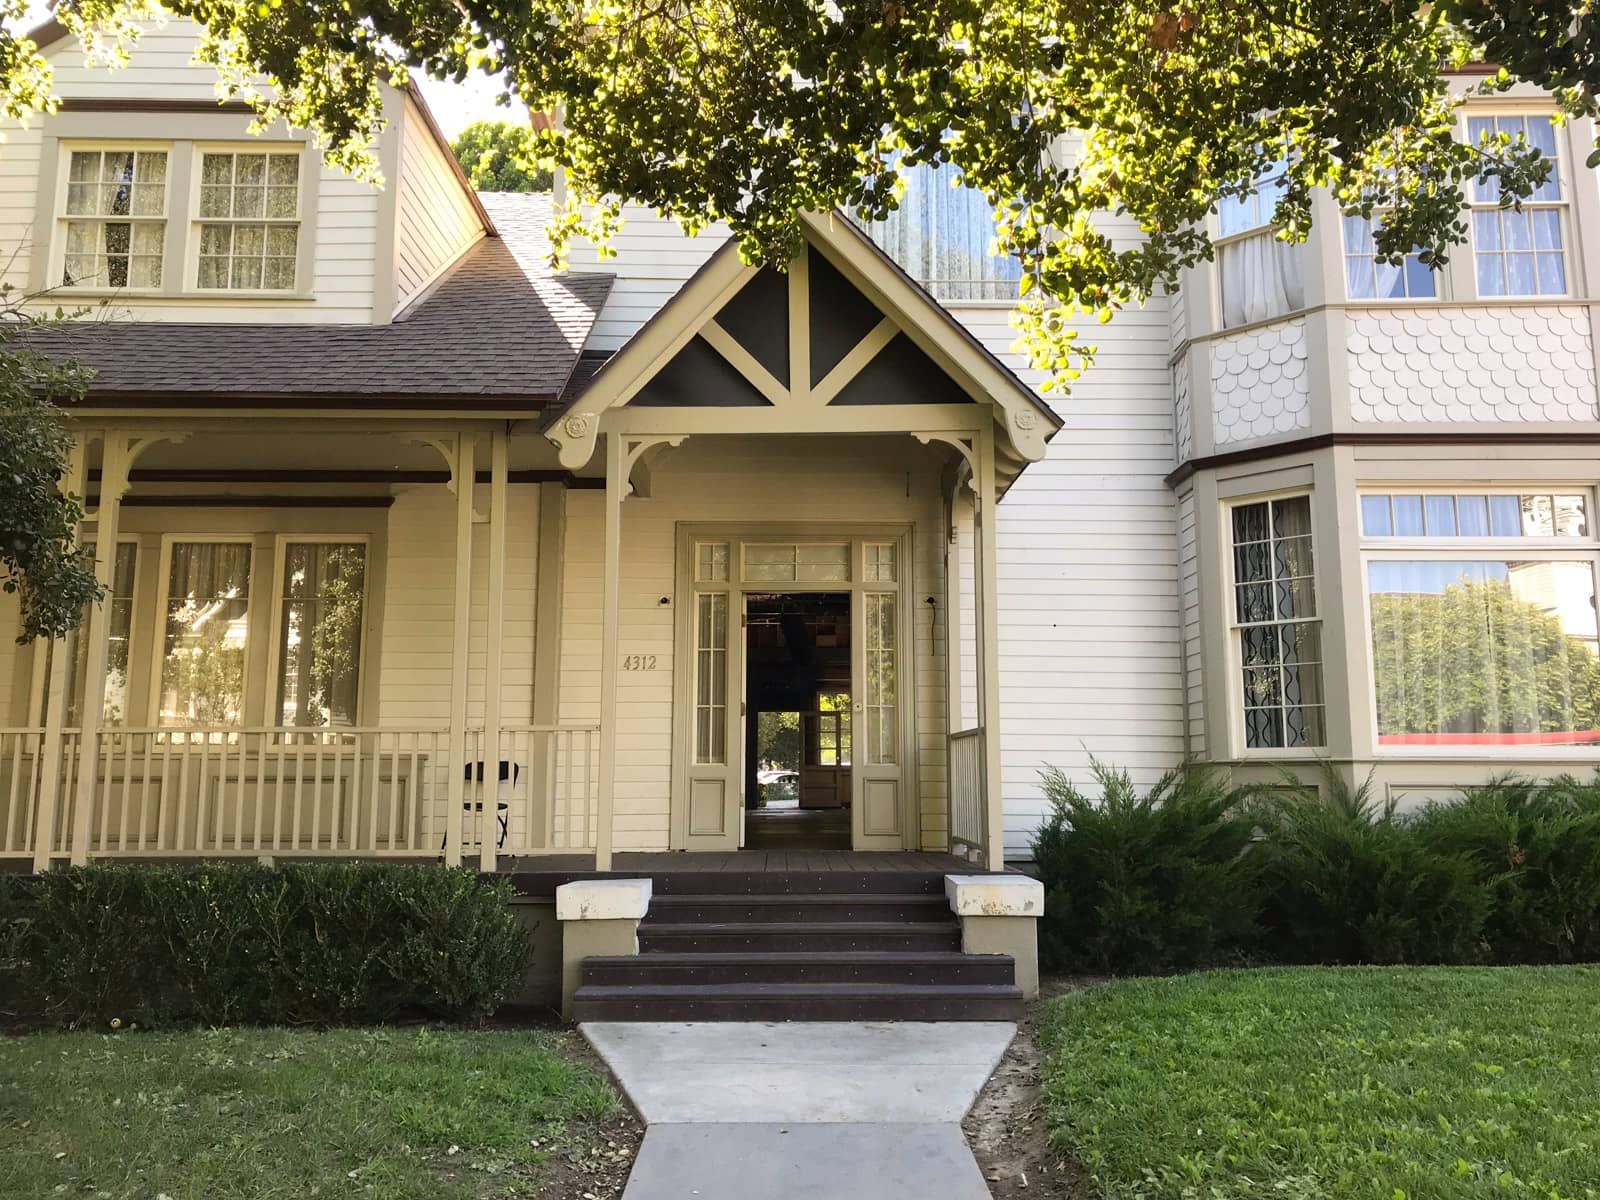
[1280,645]
[1375,520]
[1441,515]
[1505,516]
[711,562]
[1473,513]
[1493,652]
[207,625]
[711,671]
[1408,516]
[882,687]
[319,634]
[1571,516]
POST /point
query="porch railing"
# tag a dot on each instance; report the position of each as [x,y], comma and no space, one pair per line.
[346,792]
[966,790]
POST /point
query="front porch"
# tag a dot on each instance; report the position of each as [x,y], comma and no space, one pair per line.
[490,636]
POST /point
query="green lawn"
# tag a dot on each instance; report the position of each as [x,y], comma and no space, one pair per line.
[264,1114]
[1370,1083]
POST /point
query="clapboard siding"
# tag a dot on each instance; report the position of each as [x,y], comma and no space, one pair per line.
[653,258]
[1087,558]
[434,220]
[344,234]
[419,607]
[790,480]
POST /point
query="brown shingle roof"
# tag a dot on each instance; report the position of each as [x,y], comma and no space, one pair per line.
[498,324]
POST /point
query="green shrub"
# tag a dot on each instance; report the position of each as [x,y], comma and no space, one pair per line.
[1536,847]
[246,944]
[1350,882]
[1151,882]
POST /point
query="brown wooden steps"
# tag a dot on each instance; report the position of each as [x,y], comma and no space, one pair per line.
[729,946]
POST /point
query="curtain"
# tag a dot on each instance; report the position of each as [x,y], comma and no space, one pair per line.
[207,627]
[1261,278]
[319,634]
[1485,652]
[940,235]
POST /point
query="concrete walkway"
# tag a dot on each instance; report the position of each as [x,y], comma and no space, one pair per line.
[803,1111]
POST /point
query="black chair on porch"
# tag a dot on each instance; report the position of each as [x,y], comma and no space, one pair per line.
[509,772]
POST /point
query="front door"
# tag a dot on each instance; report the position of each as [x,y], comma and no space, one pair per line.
[718,569]
[714,809]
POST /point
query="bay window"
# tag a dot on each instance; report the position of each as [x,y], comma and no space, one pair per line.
[1482,618]
[1519,251]
[322,593]
[1261,276]
[1366,278]
[1277,631]
[114,219]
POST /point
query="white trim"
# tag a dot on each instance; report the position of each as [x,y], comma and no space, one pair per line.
[56,257]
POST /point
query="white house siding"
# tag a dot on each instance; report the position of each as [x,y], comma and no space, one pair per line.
[652,261]
[434,221]
[791,480]
[348,212]
[1090,627]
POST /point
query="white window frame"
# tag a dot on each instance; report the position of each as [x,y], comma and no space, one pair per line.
[1392,548]
[159,641]
[171,223]
[272,717]
[1236,705]
[193,220]
[1564,179]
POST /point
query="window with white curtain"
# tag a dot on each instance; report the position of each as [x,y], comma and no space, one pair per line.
[206,634]
[1476,640]
[1277,630]
[114,218]
[1261,277]
[942,235]
[1519,251]
[1366,278]
[322,595]
[249,220]
[119,626]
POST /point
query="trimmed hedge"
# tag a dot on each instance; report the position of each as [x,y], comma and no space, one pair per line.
[238,943]
[1196,873]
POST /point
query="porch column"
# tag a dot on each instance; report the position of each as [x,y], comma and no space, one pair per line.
[114,463]
[986,595]
[495,622]
[610,655]
[463,473]
[55,704]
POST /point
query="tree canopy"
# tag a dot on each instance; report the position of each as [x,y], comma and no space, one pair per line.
[751,111]
[40,561]
[501,156]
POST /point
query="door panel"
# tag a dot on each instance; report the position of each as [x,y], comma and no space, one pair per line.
[715,767]
[876,772]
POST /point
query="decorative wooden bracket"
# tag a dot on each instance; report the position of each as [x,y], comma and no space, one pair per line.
[966,444]
[633,451]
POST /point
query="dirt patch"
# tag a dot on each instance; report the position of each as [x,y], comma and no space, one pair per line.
[592,1162]
[1007,1129]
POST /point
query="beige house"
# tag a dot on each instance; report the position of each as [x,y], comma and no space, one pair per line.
[416,548]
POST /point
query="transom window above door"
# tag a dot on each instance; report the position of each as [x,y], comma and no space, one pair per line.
[796,562]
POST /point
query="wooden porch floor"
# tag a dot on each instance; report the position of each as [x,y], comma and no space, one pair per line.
[753,861]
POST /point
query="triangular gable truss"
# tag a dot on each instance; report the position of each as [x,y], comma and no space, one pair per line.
[810,393]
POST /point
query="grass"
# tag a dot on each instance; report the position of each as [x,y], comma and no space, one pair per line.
[1338,1083]
[275,1113]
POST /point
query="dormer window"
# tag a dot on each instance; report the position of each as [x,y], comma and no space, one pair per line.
[249,219]
[115,219]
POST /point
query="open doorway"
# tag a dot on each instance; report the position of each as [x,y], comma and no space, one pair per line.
[797,721]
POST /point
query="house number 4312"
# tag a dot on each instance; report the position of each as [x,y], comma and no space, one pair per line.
[638,662]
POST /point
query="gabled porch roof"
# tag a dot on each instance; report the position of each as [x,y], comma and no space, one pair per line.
[707,339]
